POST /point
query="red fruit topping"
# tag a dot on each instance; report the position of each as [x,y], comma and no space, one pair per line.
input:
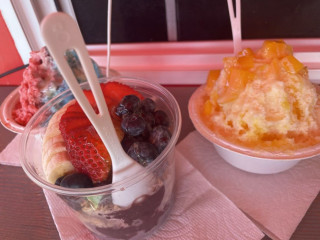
[113,93]
[116,91]
[88,154]
[86,150]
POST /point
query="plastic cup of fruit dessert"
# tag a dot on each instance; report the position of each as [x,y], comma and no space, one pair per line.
[245,158]
[94,205]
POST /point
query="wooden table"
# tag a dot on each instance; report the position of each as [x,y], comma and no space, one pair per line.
[24,213]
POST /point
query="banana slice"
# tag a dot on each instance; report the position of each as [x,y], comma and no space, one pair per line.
[55,158]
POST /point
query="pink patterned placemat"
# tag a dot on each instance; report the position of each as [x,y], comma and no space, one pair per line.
[275,202]
[200,211]
[10,155]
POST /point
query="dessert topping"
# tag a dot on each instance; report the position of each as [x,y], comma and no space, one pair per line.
[86,150]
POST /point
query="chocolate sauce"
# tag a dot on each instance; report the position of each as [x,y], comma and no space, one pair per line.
[142,216]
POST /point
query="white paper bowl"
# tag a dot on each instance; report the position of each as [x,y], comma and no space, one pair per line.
[254,161]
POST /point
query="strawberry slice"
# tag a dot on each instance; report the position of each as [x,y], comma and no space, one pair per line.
[88,154]
[70,124]
[116,91]
[85,148]
[113,92]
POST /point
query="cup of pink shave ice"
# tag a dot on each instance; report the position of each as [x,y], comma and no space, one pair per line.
[61,152]
[261,112]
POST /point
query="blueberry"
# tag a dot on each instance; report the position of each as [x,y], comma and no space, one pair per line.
[58,181]
[160,137]
[103,183]
[76,180]
[161,118]
[126,142]
[121,110]
[149,119]
[128,104]
[148,105]
[133,124]
[143,152]
[144,136]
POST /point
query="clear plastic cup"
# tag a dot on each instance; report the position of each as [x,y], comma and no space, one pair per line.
[94,206]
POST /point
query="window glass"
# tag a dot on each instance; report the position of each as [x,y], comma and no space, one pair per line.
[132,20]
[280,19]
[196,20]
[203,20]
